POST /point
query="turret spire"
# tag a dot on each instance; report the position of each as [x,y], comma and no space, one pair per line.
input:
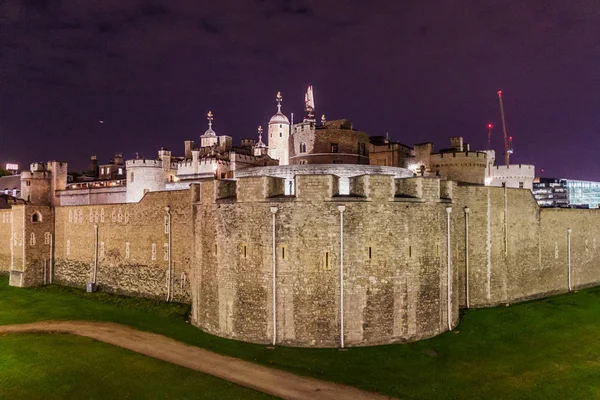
[209,117]
[260,131]
[309,105]
[279,99]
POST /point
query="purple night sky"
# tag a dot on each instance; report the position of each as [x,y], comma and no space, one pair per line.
[421,70]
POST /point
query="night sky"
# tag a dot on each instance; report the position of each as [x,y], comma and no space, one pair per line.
[421,70]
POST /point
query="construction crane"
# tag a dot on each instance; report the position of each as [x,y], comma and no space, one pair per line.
[507,141]
[490,127]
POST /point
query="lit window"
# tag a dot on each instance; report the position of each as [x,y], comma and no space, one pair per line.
[120,171]
[334,147]
[131,177]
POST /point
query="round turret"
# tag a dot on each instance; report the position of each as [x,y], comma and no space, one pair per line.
[279,134]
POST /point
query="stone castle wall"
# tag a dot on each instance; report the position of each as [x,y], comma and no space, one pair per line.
[86,196]
[395,253]
[519,251]
[132,246]
[395,257]
[460,166]
[5,239]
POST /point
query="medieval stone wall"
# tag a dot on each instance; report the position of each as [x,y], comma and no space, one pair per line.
[519,251]
[395,235]
[86,196]
[132,246]
[31,245]
[352,146]
[460,166]
[5,239]
[395,257]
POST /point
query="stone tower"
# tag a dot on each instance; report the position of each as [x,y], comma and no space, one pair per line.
[279,135]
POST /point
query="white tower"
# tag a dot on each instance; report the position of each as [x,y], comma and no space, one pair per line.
[279,135]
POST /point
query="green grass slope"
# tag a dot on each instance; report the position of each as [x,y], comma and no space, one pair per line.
[48,367]
[542,349]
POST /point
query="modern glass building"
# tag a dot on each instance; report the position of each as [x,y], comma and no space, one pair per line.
[582,193]
[551,192]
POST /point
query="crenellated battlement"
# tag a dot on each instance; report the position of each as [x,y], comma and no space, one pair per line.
[514,169]
[319,187]
[460,158]
[143,162]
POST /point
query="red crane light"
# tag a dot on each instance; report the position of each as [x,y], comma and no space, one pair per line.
[490,126]
[499,92]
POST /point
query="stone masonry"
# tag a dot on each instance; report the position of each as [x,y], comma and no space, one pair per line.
[216,251]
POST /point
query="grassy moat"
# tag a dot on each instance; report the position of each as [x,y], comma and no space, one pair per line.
[542,349]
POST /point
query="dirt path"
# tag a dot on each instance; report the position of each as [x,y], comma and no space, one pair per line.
[272,381]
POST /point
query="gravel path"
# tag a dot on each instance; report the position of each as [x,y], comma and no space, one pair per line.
[268,380]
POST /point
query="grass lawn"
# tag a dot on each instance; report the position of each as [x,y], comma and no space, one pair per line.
[537,350]
[49,367]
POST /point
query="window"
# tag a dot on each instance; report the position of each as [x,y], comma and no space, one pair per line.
[32,239]
[216,250]
[131,177]
[68,247]
[244,251]
[101,171]
[102,215]
[101,249]
[334,147]
[47,238]
[409,251]
[280,134]
[153,251]
[521,185]
[127,250]
[36,217]
[327,261]
[166,224]
[302,162]
[283,252]
[302,147]
[120,171]
[369,253]
[166,252]
[27,183]
[337,162]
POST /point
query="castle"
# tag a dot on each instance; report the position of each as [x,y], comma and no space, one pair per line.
[347,255]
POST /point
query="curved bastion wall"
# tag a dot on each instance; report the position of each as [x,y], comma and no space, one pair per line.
[395,277]
[343,171]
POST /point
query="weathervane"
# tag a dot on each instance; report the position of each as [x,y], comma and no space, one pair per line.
[323,120]
[260,133]
[209,117]
[279,99]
